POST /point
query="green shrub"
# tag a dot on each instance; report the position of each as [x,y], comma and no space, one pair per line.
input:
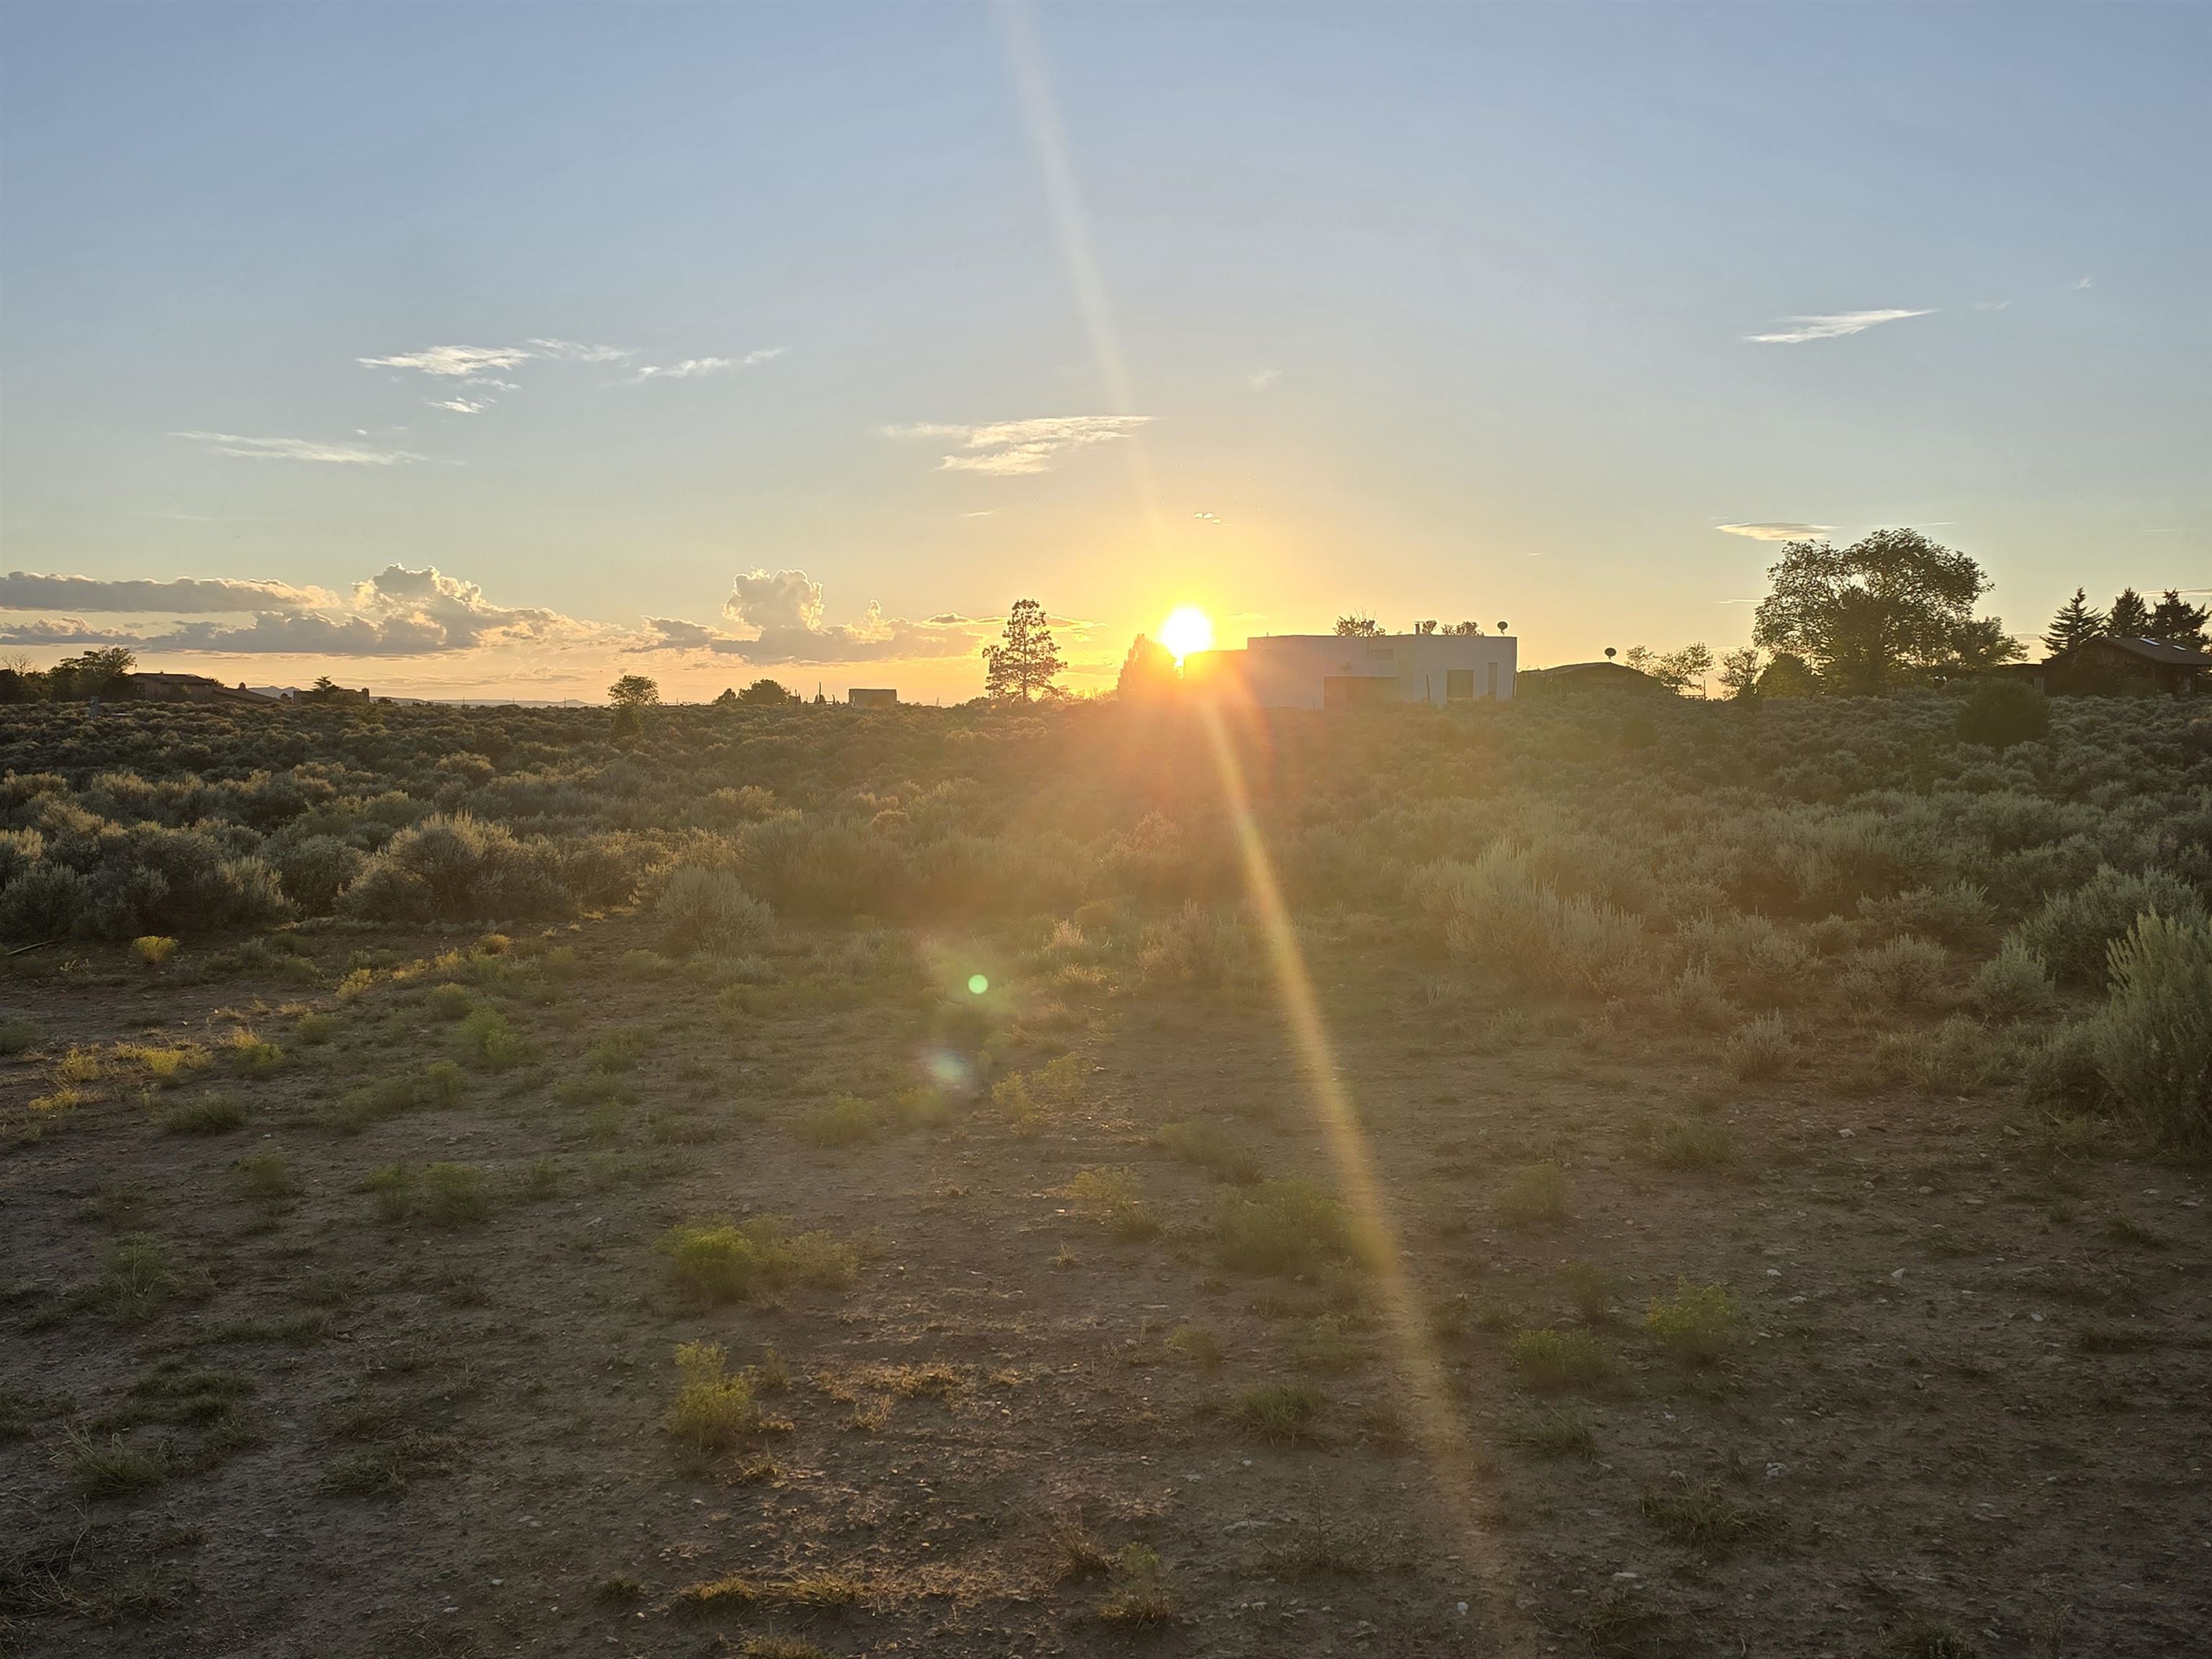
[152,950]
[211,1115]
[393,1186]
[1113,1199]
[1196,1346]
[2014,983]
[1697,1324]
[618,1050]
[2073,932]
[315,1029]
[713,1409]
[844,1122]
[1535,1195]
[2154,1040]
[1551,1361]
[1285,1225]
[19,1035]
[2002,712]
[485,1040]
[449,1002]
[453,1195]
[714,1261]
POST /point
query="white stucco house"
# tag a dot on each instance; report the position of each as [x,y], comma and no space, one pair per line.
[1335,671]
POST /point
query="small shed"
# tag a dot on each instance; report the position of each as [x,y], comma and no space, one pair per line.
[871,696]
[2109,666]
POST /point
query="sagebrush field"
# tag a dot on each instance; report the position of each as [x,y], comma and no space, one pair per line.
[1666,1178]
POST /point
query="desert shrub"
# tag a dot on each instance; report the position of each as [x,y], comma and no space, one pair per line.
[457,868]
[18,1035]
[1697,1324]
[2073,931]
[43,903]
[706,909]
[152,950]
[1957,1055]
[2155,1041]
[487,1042]
[1591,1288]
[1140,1593]
[1902,970]
[1195,1345]
[212,1115]
[1551,1361]
[449,1002]
[2014,983]
[712,1409]
[455,1193]
[315,1029]
[1683,1143]
[2004,712]
[392,1186]
[1535,1195]
[1285,1225]
[1197,947]
[1211,1147]
[1761,1047]
[1956,913]
[846,1121]
[1030,1099]
[264,1175]
[2065,1066]
[315,871]
[618,1050]
[1694,998]
[722,1261]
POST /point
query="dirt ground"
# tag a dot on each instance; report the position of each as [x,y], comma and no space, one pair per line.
[1965,1410]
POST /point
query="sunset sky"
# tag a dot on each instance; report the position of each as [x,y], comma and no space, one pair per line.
[712,341]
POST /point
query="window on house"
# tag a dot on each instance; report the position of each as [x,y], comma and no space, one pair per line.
[1459,685]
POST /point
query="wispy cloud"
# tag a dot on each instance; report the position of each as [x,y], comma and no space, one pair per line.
[778,618]
[453,361]
[461,406]
[692,369]
[1832,326]
[1263,378]
[23,590]
[1210,517]
[1776,532]
[299,449]
[1007,448]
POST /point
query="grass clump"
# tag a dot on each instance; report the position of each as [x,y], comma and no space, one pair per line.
[1683,1143]
[1031,1099]
[1140,1593]
[618,1050]
[1556,1432]
[818,1591]
[213,1114]
[455,1194]
[1113,1199]
[485,1041]
[137,1280]
[439,1084]
[1195,1345]
[315,1029]
[847,1121]
[714,1261]
[1697,1324]
[1697,1512]
[1285,1225]
[393,1186]
[1278,1411]
[1536,1195]
[1554,1361]
[713,1409]
[18,1037]
[112,1466]
[1591,1288]
[1210,1148]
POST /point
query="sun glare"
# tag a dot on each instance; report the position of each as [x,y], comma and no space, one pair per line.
[1187,629]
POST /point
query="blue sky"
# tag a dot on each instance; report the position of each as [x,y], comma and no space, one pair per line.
[1432,311]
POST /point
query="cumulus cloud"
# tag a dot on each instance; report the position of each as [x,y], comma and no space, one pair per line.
[23,590]
[1832,326]
[1007,447]
[1776,532]
[399,612]
[778,618]
[299,449]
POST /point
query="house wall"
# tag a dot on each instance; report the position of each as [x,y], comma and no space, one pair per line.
[1291,671]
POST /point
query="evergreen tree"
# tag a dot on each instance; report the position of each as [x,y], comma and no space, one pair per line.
[1024,663]
[1148,672]
[2178,622]
[2076,625]
[2130,616]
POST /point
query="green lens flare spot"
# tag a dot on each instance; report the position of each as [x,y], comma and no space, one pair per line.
[977,984]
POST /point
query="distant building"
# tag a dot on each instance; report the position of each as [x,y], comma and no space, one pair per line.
[1589,676]
[2107,667]
[191,687]
[864,697]
[1341,671]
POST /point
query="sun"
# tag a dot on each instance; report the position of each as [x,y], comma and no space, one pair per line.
[1187,629]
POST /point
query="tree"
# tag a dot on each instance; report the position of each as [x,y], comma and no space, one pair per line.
[1739,672]
[1148,672]
[634,691]
[728,699]
[763,692]
[1891,609]
[2130,618]
[1788,675]
[2076,623]
[1466,630]
[1025,661]
[2176,622]
[93,673]
[1357,628]
[1982,644]
[1679,671]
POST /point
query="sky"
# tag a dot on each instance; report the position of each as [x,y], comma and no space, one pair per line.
[494,350]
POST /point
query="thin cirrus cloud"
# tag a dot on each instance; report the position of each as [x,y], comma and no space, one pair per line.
[1012,448]
[299,449]
[779,619]
[399,612]
[1832,326]
[1776,532]
[461,361]
[693,369]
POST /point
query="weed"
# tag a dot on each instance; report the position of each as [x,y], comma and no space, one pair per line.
[1536,1195]
[713,1409]
[393,1184]
[211,1115]
[1552,1361]
[112,1466]
[1285,1225]
[1556,1432]
[264,1175]
[1697,1324]
[454,1194]
[1591,1288]
[1196,1346]
[1682,1143]
[714,1261]
[1697,1512]
[1112,1199]
[1278,1411]
[1139,1594]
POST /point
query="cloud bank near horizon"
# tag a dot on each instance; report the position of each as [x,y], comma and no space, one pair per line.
[778,619]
